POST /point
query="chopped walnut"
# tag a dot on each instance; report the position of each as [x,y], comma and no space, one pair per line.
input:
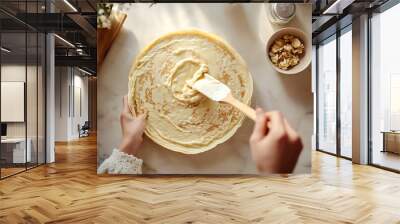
[286,51]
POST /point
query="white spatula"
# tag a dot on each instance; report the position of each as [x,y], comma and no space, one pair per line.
[217,91]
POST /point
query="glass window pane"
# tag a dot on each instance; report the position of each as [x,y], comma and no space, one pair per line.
[346,94]
[32,88]
[13,86]
[31,97]
[385,89]
[22,90]
[41,99]
[327,96]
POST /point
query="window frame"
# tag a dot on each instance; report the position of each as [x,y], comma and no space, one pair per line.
[31,30]
[378,10]
[334,37]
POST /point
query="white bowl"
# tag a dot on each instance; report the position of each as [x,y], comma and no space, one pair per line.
[304,61]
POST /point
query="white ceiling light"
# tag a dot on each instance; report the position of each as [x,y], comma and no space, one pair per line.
[337,7]
[80,51]
[84,71]
[5,50]
[65,41]
[70,5]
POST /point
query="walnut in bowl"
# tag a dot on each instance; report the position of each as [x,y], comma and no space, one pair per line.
[288,50]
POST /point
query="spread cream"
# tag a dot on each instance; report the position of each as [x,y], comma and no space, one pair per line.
[211,87]
[179,117]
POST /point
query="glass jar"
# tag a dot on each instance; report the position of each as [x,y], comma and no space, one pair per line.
[280,13]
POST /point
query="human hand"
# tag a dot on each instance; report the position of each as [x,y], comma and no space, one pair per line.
[132,130]
[275,146]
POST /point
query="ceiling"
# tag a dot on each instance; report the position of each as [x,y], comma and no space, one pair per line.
[57,5]
[332,15]
[75,21]
[16,42]
[76,25]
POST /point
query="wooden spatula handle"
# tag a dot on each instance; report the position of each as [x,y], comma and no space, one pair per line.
[250,112]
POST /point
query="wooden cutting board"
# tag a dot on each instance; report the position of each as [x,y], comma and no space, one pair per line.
[105,37]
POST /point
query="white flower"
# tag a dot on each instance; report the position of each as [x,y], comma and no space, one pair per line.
[103,15]
[102,18]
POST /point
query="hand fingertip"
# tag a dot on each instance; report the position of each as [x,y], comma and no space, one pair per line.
[259,111]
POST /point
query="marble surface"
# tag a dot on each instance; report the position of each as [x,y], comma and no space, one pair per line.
[246,28]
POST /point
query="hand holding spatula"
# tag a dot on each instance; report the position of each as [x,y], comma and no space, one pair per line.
[218,91]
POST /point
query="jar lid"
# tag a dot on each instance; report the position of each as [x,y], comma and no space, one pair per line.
[284,10]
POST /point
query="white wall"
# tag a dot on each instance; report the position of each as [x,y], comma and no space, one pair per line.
[35,123]
[81,83]
[61,103]
[67,115]
[12,73]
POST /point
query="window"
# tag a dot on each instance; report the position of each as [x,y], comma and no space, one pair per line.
[333,106]
[394,102]
[346,92]
[22,101]
[327,96]
[385,89]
